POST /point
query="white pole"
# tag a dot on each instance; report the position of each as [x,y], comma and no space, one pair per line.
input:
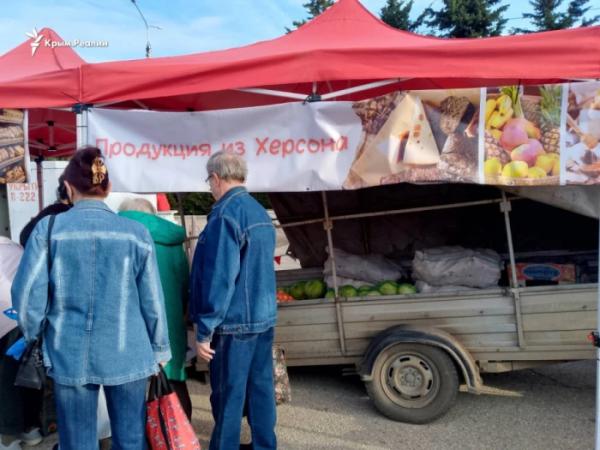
[79,125]
[82,124]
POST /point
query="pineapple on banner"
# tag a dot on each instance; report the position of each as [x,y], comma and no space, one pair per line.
[522,135]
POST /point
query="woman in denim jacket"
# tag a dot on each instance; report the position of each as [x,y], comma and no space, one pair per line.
[106,319]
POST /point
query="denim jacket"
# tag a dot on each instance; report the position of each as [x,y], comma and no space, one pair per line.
[233,277]
[106,320]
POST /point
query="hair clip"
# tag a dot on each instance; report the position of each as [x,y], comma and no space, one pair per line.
[98,171]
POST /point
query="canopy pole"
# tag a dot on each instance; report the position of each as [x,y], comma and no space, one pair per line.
[81,116]
[328,225]
[328,96]
[51,129]
[505,207]
[361,88]
[40,181]
[274,93]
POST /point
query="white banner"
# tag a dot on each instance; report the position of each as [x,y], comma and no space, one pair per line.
[290,147]
[496,136]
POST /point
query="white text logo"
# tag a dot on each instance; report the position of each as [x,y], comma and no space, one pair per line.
[40,39]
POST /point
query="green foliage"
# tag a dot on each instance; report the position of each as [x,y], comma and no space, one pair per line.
[546,15]
[468,18]
[314,7]
[396,13]
[200,203]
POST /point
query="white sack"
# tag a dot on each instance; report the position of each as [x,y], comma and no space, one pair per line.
[369,268]
[341,281]
[424,288]
[457,266]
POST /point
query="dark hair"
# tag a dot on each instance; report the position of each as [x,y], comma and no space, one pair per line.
[87,173]
[61,190]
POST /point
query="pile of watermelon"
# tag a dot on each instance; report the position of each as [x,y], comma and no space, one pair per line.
[378,290]
[304,290]
[314,289]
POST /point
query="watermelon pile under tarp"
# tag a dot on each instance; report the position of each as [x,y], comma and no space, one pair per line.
[348,291]
[315,289]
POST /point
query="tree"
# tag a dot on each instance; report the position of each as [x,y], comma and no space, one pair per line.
[396,13]
[200,203]
[314,7]
[546,15]
[468,18]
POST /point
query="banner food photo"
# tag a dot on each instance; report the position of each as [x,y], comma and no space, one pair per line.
[509,135]
[13,145]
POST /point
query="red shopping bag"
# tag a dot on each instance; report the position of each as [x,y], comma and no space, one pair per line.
[167,427]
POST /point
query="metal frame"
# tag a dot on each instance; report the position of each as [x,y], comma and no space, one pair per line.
[328,225]
[327,221]
[81,120]
[314,96]
[505,207]
[395,211]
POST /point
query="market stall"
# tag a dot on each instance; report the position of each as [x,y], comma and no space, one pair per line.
[516,112]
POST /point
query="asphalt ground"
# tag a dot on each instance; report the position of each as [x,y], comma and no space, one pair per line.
[555,409]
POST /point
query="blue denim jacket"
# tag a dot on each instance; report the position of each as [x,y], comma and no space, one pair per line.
[106,321]
[233,277]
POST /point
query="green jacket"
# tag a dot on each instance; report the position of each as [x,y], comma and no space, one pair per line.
[174,275]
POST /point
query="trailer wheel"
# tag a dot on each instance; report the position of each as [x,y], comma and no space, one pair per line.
[413,383]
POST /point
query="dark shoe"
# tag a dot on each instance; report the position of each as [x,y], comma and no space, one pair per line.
[246,446]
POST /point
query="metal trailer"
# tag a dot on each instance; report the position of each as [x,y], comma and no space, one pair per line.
[414,352]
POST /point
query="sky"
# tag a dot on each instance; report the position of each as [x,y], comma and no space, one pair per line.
[186,26]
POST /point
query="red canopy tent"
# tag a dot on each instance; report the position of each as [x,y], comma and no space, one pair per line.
[47,78]
[344,48]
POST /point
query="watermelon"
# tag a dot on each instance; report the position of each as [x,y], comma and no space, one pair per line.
[348,291]
[297,290]
[388,288]
[372,293]
[330,293]
[363,291]
[406,288]
[315,289]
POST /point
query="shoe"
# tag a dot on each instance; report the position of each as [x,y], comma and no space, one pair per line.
[31,438]
[246,446]
[9,443]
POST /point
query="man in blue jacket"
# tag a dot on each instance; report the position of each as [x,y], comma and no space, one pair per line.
[234,307]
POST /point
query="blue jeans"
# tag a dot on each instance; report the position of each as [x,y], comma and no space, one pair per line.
[77,406]
[241,373]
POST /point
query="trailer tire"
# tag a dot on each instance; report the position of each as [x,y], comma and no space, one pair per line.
[413,383]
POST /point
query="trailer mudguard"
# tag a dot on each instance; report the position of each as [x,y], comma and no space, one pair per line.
[428,336]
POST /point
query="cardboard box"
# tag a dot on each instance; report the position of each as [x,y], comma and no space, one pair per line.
[543,272]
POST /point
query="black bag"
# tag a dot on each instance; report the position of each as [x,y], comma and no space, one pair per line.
[32,373]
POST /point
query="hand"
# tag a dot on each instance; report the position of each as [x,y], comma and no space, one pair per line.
[204,351]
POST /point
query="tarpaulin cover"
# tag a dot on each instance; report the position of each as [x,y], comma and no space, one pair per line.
[535,226]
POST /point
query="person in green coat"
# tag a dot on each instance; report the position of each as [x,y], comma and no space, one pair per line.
[174,274]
